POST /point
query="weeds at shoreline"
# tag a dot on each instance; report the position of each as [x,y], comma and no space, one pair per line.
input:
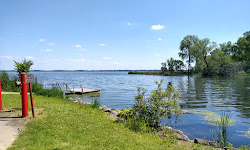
[95,103]
[221,134]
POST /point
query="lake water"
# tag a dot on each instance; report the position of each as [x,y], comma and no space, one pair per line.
[217,94]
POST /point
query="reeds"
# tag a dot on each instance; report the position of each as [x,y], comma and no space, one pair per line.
[221,134]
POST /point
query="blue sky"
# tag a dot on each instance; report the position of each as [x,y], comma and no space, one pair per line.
[112,34]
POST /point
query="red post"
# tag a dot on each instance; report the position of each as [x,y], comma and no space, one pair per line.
[31,100]
[1,106]
[24,95]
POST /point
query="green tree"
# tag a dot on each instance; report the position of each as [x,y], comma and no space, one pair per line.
[171,64]
[204,47]
[23,66]
[179,65]
[164,67]
[241,50]
[227,48]
[187,48]
[174,65]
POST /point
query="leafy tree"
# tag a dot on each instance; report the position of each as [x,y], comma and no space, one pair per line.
[23,66]
[187,48]
[203,47]
[179,65]
[164,67]
[227,48]
[171,64]
[174,65]
[220,63]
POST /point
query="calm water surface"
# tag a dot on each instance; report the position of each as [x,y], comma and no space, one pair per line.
[217,94]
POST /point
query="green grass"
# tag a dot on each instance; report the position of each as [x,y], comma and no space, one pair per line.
[62,124]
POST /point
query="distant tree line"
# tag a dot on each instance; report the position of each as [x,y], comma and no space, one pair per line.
[211,59]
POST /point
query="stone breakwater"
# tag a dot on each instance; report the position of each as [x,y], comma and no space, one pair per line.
[178,133]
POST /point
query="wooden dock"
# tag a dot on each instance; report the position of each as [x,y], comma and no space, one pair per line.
[81,91]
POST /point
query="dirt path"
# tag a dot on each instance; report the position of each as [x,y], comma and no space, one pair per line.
[10,125]
[10,92]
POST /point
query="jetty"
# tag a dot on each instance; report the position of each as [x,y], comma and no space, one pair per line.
[65,87]
[81,91]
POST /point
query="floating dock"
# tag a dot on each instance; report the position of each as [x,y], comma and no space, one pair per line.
[81,91]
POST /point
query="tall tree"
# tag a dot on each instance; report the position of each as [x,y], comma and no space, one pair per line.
[171,64]
[227,48]
[203,48]
[187,48]
[241,51]
[164,67]
[174,65]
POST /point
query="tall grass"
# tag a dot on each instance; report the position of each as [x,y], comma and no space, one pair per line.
[221,133]
[96,103]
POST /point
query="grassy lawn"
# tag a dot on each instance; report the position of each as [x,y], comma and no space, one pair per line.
[62,124]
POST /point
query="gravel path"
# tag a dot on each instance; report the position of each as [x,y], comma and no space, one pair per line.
[10,125]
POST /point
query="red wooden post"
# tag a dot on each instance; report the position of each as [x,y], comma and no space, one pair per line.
[24,95]
[1,106]
[31,100]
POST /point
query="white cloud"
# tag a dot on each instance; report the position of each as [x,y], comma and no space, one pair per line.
[157,27]
[101,44]
[6,57]
[159,39]
[76,60]
[78,46]
[52,44]
[129,24]
[116,63]
[157,54]
[107,58]
[42,40]
[83,49]
[48,50]
[29,57]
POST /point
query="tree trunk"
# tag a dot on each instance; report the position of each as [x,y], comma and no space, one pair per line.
[189,65]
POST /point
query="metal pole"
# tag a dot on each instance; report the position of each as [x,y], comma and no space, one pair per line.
[1,106]
[31,100]
[24,95]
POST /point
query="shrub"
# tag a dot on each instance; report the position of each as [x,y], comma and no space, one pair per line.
[148,112]
[8,84]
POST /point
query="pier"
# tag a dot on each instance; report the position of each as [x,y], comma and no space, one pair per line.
[81,91]
[65,87]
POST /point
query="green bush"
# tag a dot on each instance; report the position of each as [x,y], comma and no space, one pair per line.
[53,92]
[148,112]
[8,84]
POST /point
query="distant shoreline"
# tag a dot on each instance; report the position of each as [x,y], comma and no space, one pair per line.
[160,73]
[85,70]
